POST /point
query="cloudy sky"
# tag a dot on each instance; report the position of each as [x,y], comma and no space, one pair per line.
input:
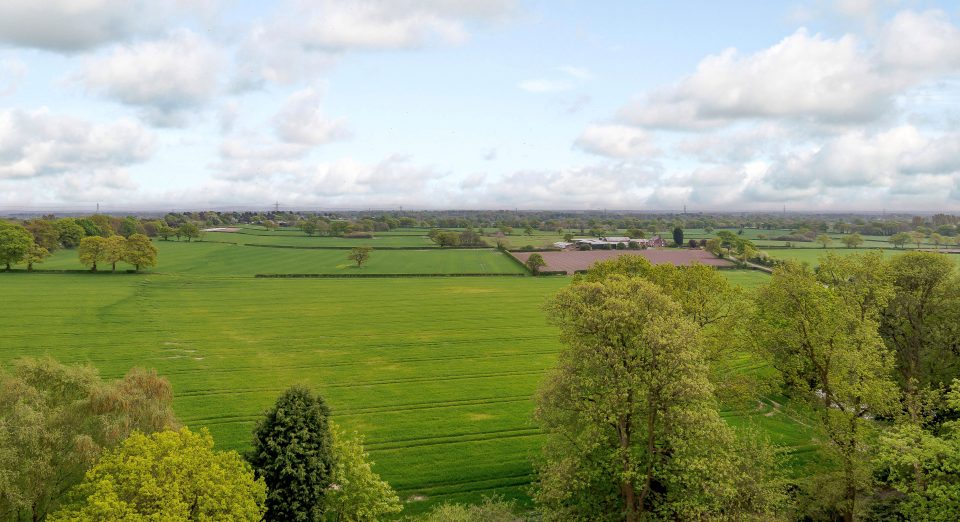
[734,105]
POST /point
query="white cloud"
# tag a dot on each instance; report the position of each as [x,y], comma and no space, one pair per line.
[305,37]
[577,72]
[165,79]
[76,25]
[920,42]
[543,86]
[302,121]
[616,141]
[804,77]
[38,143]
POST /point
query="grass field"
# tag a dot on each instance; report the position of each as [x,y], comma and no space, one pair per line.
[438,374]
[207,258]
[405,238]
[812,255]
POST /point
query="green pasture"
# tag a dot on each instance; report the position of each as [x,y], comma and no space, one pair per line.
[812,256]
[438,374]
[410,238]
[220,259]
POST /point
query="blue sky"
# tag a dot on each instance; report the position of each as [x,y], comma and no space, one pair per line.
[849,105]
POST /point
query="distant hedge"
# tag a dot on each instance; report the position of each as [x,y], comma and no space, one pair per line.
[347,276]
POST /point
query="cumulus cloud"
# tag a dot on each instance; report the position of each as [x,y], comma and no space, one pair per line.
[38,143]
[921,43]
[616,141]
[305,36]
[302,121]
[76,25]
[165,79]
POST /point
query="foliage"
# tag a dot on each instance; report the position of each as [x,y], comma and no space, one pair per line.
[823,342]
[490,510]
[69,232]
[115,250]
[899,239]
[169,476]
[56,419]
[140,252]
[92,251]
[632,426]
[15,243]
[356,493]
[35,255]
[678,236]
[164,231]
[189,231]
[824,240]
[852,240]
[359,255]
[535,262]
[44,233]
[292,453]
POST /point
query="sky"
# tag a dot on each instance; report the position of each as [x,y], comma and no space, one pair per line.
[480,104]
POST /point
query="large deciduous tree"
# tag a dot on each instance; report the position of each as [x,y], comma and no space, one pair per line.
[292,452]
[140,252]
[359,255]
[535,262]
[821,337]
[169,476]
[15,242]
[632,425]
[92,250]
[116,250]
[69,233]
[54,422]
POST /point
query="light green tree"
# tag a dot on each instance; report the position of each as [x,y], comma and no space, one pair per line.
[356,492]
[69,233]
[15,242]
[852,240]
[489,510]
[899,239]
[824,240]
[917,237]
[92,251]
[189,230]
[170,476]
[535,262]
[823,342]
[36,255]
[115,250]
[54,422]
[632,426]
[140,252]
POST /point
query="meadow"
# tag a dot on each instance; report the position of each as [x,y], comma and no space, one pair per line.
[438,374]
[248,235]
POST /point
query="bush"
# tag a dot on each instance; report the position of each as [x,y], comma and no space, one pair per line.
[358,235]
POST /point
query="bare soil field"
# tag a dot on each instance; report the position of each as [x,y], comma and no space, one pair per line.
[570,261]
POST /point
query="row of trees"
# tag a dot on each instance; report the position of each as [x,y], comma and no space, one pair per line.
[138,251]
[866,350]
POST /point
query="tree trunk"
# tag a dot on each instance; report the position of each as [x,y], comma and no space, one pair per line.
[94,268]
[114,268]
[626,486]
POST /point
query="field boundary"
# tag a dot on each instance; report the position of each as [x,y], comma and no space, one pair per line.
[350,276]
[425,248]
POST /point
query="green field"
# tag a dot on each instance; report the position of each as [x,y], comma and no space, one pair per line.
[405,238]
[439,374]
[219,259]
[812,255]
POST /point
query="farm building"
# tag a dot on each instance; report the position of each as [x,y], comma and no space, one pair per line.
[613,241]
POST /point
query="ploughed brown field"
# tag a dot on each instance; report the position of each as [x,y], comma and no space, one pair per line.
[572,260]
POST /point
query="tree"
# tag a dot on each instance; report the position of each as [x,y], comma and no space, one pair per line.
[921,325]
[678,236]
[937,240]
[292,453]
[140,252]
[164,231]
[69,233]
[189,230]
[535,262]
[824,240]
[359,254]
[129,226]
[44,233]
[917,237]
[922,466]
[309,227]
[899,239]
[170,475]
[35,255]
[15,242]
[629,412]
[489,510]
[92,251]
[852,240]
[356,493]
[116,250]
[823,342]
[55,420]
[445,239]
